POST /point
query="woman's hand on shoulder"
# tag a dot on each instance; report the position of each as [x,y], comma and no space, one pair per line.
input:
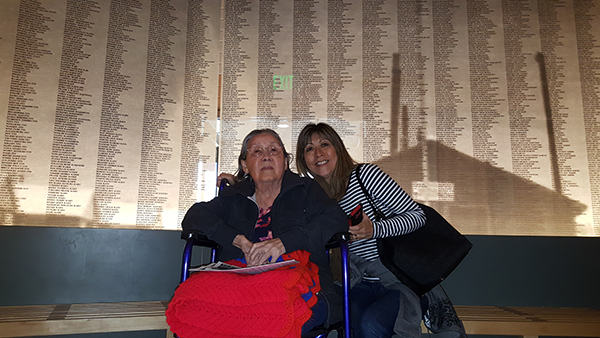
[363,230]
[231,179]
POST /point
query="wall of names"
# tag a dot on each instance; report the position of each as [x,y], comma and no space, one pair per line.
[487,110]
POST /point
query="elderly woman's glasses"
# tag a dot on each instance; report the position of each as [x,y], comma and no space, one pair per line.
[258,151]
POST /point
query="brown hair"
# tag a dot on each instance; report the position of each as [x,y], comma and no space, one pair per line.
[336,188]
[240,174]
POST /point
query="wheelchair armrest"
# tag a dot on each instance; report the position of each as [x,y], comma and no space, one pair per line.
[196,237]
[334,241]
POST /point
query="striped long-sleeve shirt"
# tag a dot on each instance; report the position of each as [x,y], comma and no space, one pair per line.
[402,214]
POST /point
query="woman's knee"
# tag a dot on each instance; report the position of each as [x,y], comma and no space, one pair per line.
[374,323]
[377,319]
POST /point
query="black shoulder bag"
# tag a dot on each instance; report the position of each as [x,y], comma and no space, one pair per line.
[423,258]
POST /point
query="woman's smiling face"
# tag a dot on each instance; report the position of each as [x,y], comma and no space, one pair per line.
[320,156]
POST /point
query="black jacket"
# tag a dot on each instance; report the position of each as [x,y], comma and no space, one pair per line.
[302,216]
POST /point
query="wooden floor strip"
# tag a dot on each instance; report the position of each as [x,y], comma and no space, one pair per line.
[46,320]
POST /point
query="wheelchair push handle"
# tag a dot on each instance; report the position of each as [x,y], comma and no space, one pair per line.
[224,182]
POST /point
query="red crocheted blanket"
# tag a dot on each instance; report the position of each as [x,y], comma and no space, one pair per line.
[275,303]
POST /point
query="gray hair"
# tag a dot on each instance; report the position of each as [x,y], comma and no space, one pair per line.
[244,151]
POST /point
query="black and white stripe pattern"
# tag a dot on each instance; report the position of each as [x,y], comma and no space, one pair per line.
[403,214]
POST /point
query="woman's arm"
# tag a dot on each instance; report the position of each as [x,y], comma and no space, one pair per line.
[324,219]
[211,219]
[403,213]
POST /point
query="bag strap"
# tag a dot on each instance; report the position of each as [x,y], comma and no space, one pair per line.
[379,216]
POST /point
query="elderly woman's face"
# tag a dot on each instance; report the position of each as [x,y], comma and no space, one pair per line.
[264,161]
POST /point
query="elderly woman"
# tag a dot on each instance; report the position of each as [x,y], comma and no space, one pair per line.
[270,212]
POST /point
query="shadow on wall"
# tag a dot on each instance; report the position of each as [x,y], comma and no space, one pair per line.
[477,197]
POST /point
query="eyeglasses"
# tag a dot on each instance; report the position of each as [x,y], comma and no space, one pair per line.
[258,151]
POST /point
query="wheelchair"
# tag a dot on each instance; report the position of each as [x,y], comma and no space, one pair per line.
[339,240]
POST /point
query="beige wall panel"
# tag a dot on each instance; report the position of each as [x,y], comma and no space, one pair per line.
[487,110]
[109,115]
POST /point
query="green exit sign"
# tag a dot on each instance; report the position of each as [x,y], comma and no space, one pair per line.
[282,82]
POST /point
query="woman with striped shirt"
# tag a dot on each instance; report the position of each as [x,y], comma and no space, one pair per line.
[380,303]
